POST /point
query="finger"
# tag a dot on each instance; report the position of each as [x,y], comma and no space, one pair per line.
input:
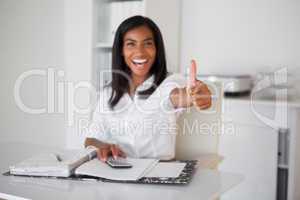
[201,98]
[201,94]
[193,73]
[202,103]
[201,91]
[99,154]
[202,107]
[118,152]
[104,154]
[114,151]
[198,85]
[121,153]
[205,106]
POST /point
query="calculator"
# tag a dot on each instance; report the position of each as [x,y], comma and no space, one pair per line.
[118,162]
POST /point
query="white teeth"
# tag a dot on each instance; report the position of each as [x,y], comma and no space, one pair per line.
[139,61]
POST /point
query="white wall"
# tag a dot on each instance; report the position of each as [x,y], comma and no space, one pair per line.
[241,37]
[169,24]
[31,37]
[78,62]
[224,36]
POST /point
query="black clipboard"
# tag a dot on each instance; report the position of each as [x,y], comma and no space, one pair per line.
[183,179]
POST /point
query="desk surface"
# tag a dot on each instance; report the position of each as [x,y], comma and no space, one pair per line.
[206,184]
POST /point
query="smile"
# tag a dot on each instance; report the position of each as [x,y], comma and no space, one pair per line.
[139,62]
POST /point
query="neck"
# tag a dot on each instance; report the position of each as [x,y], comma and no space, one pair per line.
[136,81]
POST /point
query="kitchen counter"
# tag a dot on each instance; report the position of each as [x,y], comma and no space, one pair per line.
[260,111]
[293,102]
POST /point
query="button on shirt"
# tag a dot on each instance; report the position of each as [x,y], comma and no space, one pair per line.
[140,127]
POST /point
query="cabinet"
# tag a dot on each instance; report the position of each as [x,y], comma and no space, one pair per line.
[267,157]
[108,14]
[251,151]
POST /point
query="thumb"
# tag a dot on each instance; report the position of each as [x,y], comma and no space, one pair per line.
[193,73]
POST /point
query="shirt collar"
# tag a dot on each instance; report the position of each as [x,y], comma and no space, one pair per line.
[146,84]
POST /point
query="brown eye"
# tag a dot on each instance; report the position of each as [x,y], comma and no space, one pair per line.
[129,44]
[148,43]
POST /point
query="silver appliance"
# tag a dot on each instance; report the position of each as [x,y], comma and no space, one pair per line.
[233,85]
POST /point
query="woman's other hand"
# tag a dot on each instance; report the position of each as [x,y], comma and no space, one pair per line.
[106,150]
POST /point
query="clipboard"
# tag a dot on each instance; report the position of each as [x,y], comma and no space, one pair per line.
[184,178]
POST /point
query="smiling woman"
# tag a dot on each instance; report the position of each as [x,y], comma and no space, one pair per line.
[137,38]
[136,113]
[139,52]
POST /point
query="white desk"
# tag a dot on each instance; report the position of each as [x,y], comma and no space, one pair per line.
[206,184]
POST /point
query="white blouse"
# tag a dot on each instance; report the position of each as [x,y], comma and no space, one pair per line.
[140,127]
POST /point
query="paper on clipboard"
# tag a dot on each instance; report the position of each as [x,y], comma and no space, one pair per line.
[166,169]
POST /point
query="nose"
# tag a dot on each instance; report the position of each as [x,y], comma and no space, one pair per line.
[140,49]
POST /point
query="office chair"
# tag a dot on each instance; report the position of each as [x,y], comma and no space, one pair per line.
[199,131]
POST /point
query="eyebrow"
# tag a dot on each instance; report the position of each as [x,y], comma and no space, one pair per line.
[132,40]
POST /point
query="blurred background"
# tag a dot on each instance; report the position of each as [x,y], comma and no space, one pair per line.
[51,50]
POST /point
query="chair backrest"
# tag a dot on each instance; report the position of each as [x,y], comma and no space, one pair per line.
[199,130]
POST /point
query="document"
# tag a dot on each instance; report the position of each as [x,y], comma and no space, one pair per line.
[166,169]
[100,169]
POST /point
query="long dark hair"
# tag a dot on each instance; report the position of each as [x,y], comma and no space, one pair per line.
[121,72]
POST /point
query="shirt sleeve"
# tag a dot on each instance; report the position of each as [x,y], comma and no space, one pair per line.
[171,82]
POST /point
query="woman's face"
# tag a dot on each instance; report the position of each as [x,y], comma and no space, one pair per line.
[139,51]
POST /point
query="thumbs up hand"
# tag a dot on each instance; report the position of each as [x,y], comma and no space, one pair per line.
[196,93]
